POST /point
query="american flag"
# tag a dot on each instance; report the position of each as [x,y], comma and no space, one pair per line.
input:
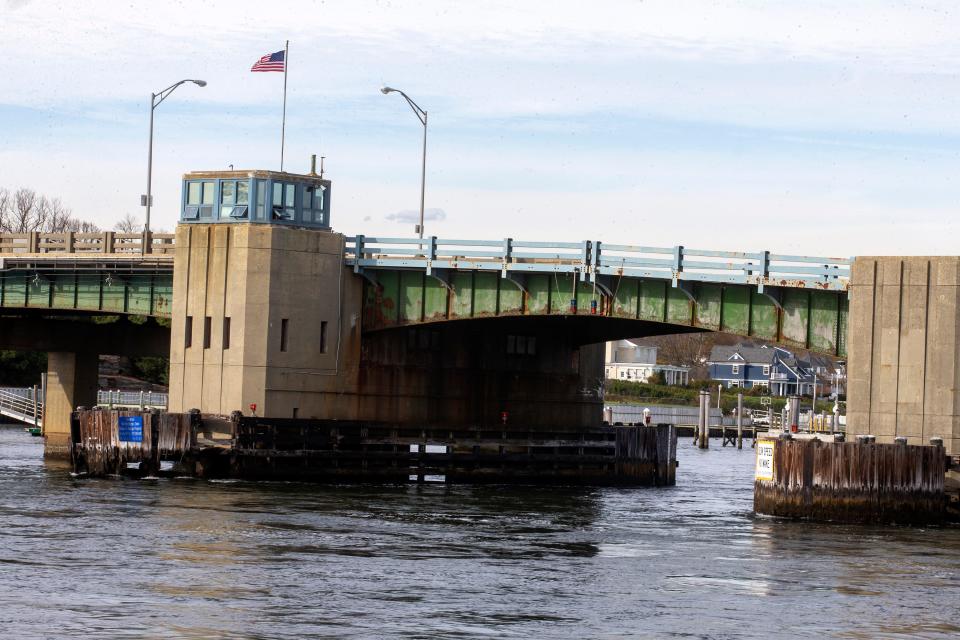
[269,62]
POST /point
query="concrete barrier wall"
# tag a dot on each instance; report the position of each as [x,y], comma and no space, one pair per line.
[904,378]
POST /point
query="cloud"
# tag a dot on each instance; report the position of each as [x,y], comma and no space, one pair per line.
[409,216]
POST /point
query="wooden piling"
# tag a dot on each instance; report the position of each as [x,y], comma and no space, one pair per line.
[740,420]
[704,419]
[859,482]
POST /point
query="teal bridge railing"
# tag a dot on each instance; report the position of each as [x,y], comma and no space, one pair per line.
[593,261]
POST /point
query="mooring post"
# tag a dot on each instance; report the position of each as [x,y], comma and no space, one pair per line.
[740,420]
[705,420]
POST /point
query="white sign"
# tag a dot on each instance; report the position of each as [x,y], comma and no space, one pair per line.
[765,449]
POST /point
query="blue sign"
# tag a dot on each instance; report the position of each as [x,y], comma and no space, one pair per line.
[130,428]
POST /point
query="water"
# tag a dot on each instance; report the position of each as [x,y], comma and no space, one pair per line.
[196,559]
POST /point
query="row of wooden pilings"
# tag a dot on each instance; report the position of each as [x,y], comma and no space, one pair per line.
[701,436]
[859,482]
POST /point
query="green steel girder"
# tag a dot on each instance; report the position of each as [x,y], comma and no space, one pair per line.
[805,318]
[104,292]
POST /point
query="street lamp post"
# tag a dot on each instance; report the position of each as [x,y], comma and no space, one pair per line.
[155,100]
[422,116]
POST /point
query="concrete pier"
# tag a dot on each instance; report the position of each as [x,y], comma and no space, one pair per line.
[904,349]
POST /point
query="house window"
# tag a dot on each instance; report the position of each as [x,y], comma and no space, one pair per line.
[766,369]
[284,326]
[734,383]
[735,370]
[226,333]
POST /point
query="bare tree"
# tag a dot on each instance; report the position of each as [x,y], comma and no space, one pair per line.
[25,210]
[129,224]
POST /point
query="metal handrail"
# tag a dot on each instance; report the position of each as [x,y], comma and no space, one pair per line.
[593,260]
[24,408]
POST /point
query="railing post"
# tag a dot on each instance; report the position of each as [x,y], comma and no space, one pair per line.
[358,252]
[585,259]
[677,263]
[34,242]
[507,250]
[146,243]
[107,246]
[141,399]
[431,252]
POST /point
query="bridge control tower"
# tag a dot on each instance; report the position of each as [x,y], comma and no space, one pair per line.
[260,290]
[268,318]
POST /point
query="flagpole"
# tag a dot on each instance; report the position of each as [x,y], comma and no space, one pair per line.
[283,127]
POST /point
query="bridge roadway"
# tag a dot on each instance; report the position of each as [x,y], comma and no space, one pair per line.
[800,301]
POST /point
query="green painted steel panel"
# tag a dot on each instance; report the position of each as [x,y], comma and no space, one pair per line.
[138,295]
[435,300]
[795,317]
[64,291]
[561,293]
[38,294]
[511,298]
[764,317]
[653,299]
[844,303]
[14,291]
[823,321]
[411,296]
[736,310]
[485,291]
[708,305]
[114,296]
[679,308]
[88,292]
[163,295]
[538,288]
[586,293]
[625,298]
[387,312]
[461,300]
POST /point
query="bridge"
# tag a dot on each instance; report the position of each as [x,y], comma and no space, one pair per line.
[796,300]
[263,309]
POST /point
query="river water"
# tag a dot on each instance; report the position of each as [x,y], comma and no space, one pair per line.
[197,559]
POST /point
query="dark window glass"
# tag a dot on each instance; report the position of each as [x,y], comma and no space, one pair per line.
[323,336]
[206,332]
[226,333]
[188,333]
[283,334]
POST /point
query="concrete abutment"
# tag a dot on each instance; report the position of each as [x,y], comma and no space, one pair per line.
[71,383]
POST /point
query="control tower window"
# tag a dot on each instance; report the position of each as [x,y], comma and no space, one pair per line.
[313,203]
[193,193]
[206,208]
[228,196]
[261,199]
[284,198]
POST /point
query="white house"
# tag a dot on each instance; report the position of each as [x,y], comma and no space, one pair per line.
[626,360]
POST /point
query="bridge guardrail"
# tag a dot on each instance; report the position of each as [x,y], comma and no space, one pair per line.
[106,242]
[594,260]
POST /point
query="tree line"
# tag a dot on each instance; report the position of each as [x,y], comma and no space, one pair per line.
[24,210]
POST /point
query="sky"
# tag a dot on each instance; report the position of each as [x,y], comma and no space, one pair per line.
[819,128]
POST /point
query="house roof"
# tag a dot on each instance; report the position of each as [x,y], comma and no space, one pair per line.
[748,353]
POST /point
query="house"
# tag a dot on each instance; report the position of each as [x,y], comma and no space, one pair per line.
[748,365]
[627,360]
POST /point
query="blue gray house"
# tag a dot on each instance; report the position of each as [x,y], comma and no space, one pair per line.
[775,368]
